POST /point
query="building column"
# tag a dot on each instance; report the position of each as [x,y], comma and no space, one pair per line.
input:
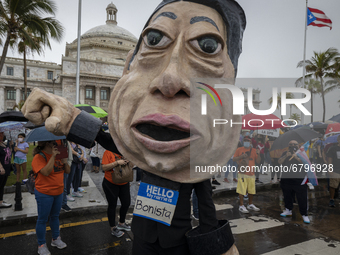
[82,95]
[98,96]
[2,99]
[18,96]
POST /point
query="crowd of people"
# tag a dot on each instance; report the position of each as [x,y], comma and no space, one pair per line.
[254,151]
[58,181]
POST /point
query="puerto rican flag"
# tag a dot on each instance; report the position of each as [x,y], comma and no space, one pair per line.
[311,176]
[318,18]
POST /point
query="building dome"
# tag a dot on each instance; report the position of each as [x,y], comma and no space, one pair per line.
[111,6]
[110,29]
[109,43]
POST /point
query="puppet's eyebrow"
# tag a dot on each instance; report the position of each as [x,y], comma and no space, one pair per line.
[169,15]
[203,18]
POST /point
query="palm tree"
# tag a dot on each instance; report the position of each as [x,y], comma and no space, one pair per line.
[17,17]
[296,117]
[322,65]
[314,87]
[288,96]
[19,105]
[25,47]
[334,83]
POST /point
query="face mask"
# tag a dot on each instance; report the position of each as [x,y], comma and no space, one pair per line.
[293,148]
[20,140]
[246,144]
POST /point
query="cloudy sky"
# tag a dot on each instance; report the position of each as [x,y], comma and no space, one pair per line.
[272,45]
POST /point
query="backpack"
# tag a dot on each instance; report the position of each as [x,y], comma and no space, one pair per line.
[75,158]
[30,184]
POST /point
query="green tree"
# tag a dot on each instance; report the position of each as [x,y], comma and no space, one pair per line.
[288,96]
[322,65]
[19,105]
[296,117]
[18,17]
[314,87]
[29,46]
[334,83]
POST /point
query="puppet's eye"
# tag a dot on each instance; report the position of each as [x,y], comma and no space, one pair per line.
[156,38]
[209,44]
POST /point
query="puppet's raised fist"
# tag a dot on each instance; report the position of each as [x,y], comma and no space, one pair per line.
[57,113]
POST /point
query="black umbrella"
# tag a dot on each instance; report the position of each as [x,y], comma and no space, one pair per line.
[336,118]
[41,134]
[301,135]
[12,116]
[30,125]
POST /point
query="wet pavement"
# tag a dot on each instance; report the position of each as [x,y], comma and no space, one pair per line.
[263,232]
[321,236]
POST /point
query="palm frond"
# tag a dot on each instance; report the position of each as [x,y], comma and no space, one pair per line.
[30,23]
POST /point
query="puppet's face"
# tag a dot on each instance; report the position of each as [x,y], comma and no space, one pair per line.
[150,105]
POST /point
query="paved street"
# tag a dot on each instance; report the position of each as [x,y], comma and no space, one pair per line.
[263,232]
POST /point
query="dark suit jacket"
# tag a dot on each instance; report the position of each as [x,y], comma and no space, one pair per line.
[211,233]
[174,235]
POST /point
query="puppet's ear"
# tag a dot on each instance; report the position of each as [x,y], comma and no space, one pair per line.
[127,63]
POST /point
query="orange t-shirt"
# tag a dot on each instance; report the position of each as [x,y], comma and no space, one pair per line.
[53,184]
[252,158]
[108,158]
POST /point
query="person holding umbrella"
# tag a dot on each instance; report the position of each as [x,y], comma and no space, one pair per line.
[292,183]
[49,187]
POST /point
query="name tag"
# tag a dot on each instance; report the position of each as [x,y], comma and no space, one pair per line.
[156,203]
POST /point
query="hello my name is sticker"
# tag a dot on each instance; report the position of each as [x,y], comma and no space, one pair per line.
[156,203]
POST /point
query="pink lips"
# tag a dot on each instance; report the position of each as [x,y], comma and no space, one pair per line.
[172,121]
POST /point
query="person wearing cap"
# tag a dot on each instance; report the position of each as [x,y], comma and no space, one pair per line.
[293,183]
[246,156]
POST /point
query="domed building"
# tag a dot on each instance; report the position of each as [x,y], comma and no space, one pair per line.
[103,52]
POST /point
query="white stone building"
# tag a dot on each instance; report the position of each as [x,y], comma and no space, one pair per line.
[39,74]
[103,52]
[102,58]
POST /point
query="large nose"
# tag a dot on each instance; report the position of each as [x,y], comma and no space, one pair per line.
[175,77]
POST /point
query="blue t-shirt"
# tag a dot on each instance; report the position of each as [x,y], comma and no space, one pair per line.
[321,143]
[20,154]
[322,146]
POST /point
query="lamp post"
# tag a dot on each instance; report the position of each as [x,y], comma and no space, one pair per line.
[53,81]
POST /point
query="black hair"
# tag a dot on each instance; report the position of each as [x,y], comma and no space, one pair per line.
[40,147]
[233,17]
[22,134]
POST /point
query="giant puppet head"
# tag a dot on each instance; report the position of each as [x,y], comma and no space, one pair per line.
[149,117]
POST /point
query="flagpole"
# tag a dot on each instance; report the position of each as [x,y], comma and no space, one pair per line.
[304,58]
[78,53]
